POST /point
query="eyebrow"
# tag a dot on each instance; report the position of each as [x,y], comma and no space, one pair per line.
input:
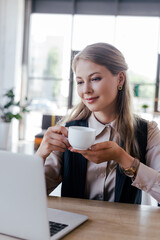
[89,75]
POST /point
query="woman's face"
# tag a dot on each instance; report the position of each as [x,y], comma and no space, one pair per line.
[97,87]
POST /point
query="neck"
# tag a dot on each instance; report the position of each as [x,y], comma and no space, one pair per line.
[104,118]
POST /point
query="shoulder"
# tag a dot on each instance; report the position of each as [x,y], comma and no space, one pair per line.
[141,127]
[150,125]
[82,122]
[140,122]
[153,132]
[150,129]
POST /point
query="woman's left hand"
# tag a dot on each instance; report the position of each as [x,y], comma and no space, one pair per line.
[105,151]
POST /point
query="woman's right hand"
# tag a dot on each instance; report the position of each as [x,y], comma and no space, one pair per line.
[54,139]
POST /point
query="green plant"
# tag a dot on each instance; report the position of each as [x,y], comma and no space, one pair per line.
[145,106]
[8,109]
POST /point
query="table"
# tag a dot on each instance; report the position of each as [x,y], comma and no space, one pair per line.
[109,221]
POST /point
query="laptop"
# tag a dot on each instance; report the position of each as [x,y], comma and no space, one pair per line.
[23,201]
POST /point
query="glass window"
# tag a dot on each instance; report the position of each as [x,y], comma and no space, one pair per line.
[88,29]
[49,61]
[137,38]
[52,38]
[49,68]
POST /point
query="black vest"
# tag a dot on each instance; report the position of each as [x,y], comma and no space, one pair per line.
[74,167]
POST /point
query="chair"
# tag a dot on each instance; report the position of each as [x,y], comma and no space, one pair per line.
[47,121]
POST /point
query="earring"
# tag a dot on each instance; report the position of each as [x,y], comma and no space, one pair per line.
[119,87]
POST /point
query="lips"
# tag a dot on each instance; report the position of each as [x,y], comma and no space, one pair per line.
[91,99]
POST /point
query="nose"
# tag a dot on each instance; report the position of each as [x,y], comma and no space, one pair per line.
[87,88]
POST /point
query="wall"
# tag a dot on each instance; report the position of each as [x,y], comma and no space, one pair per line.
[11,40]
[11,46]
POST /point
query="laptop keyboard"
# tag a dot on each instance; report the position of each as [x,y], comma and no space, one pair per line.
[56,227]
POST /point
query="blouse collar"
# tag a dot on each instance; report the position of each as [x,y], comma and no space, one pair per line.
[94,123]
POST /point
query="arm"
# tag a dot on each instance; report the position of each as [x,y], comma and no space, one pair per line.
[106,151]
[148,177]
[52,169]
[54,143]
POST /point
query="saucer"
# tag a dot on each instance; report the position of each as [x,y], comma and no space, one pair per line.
[79,148]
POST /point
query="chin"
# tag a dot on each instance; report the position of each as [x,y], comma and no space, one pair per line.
[93,108]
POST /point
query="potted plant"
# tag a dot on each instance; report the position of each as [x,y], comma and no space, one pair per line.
[145,106]
[9,109]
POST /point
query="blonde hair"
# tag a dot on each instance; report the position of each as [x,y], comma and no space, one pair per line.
[110,57]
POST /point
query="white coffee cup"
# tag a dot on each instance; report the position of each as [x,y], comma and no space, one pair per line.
[81,138]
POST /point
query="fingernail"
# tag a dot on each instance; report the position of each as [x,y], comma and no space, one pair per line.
[93,148]
[70,149]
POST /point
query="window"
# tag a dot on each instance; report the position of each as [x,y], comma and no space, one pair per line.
[88,30]
[54,36]
[49,62]
[49,67]
[137,38]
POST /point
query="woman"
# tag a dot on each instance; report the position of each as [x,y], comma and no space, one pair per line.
[125,158]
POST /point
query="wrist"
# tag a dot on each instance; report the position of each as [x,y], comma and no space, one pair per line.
[38,153]
[124,159]
[128,164]
[132,170]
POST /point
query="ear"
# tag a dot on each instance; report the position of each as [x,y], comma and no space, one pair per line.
[121,78]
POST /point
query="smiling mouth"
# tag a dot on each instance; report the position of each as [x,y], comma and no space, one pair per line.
[91,100]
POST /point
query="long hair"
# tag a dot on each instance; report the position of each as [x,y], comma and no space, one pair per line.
[107,55]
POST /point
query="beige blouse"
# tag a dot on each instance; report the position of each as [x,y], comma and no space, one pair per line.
[100,181]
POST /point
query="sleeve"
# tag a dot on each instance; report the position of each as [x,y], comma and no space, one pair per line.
[148,176]
[52,170]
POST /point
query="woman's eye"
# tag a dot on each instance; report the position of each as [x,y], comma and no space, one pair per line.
[96,79]
[79,82]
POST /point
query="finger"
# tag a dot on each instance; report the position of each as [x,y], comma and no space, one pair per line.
[61,138]
[57,148]
[102,155]
[59,129]
[79,151]
[95,156]
[88,154]
[58,136]
[102,145]
[57,143]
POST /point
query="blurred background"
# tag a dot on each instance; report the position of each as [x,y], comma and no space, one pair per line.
[38,39]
